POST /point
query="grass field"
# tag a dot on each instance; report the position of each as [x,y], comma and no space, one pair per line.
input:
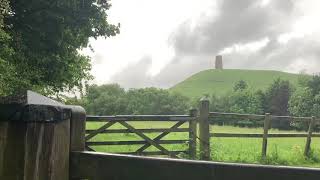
[281,151]
[221,81]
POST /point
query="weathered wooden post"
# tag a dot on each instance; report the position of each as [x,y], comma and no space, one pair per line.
[34,138]
[308,143]
[77,131]
[204,129]
[267,123]
[77,128]
[193,134]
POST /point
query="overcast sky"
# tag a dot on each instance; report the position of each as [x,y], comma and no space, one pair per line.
[163,42]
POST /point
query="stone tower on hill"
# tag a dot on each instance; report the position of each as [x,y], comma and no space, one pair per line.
[219,62]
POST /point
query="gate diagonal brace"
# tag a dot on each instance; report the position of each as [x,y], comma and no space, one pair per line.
[98,131]
[150,141]
[159,137]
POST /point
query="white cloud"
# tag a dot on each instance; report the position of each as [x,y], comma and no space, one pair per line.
[247,47]
[257,36]
[145,28]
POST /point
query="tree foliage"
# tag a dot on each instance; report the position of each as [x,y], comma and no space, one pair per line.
[314,85]
[278,95]
[305,101]
[245,101]
[301,102]
[240,85]
[277,101]
[45,37]
[112,99]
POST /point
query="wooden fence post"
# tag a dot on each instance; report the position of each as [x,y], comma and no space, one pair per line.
[204,129]
[193,134]
[267,123]
[77,131]
[37,139]
[77,128]
[308,143]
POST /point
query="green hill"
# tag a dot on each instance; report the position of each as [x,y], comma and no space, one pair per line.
[220,82]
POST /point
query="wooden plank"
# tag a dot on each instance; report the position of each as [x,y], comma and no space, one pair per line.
[139,118]
[98,131]
[151,130]
[150,141]
[193,134]
[102,166]
[254,135]
[204,130]
[308,142]
[266,127]
[160,136]
[102,143]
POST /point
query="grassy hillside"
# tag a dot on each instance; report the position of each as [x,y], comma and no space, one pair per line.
[221,81]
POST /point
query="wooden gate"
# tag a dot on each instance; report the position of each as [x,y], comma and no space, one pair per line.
[178,126]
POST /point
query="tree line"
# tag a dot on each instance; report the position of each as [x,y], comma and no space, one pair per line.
[280,98]
[111,99]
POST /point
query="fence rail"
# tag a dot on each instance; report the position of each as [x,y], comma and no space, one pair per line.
[256,135]
[157,142]
[257,117]
[267,120]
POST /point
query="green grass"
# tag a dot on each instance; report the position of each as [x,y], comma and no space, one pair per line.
[281,151]
[220,82]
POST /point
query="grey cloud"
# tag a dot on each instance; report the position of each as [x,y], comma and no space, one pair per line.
[135,74]
[277,56]
[237,22]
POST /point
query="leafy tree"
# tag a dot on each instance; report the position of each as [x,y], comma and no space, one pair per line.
[303,80]
[219,103]
[304,103]
[6,69]
[245,102]
[261,98]
[105,100]
[277,100]
[45,39]
[306,100]
[314,85]
[155,101]
[301,102]
[240,85]
[112,99]
[4,11]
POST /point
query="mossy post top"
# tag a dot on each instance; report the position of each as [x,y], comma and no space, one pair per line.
[32,107]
